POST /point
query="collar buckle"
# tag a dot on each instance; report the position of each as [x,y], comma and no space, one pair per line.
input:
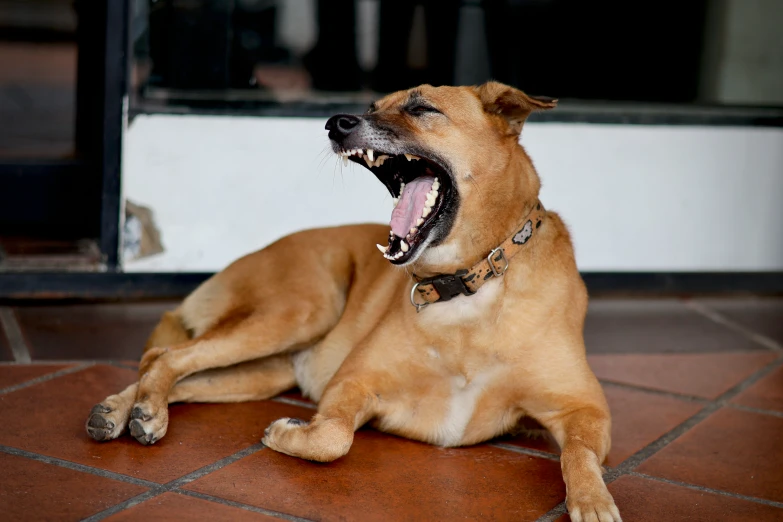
[497,255]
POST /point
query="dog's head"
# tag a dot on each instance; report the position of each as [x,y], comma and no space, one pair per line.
[451,159]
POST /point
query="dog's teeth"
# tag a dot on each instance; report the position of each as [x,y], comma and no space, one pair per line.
[368,161]
[410,157]
[395,201]
[413,231]
[391,234]
[436,185]
[419,222]
[398,255]
[426,212]
[370,154]
[345,161]
[404,246]
[382,248]
[430,200]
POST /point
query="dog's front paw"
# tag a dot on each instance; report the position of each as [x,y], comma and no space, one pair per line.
[275,434]
[597,506]
[105,422]
[148,424]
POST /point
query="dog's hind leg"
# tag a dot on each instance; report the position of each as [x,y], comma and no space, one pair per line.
[250,381]
[288,327]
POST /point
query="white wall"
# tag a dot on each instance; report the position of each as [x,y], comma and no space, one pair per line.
[651,198]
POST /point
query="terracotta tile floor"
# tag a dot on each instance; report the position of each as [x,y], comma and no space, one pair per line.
[695,388]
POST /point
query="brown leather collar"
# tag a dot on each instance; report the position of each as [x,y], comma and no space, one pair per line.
[445,287]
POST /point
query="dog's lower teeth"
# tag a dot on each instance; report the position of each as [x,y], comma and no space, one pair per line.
[403,246]
[419,222]
[413,231]
[395,201]
[382,248]
[426,212]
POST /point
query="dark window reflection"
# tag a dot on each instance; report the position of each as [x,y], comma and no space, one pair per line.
[663,51]
[38,57]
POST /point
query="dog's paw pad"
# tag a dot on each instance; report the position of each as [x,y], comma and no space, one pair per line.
[137,430]
[101,425]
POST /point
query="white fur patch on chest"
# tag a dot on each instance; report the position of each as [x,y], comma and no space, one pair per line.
[464,308]
[462,405]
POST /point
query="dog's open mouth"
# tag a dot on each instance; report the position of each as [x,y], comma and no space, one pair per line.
[422,191]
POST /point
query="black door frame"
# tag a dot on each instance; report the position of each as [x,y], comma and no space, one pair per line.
[81,197]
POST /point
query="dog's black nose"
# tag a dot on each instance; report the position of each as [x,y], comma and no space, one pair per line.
[341,125]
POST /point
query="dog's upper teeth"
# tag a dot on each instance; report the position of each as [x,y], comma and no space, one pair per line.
[370,154]
[382,248]
[413,231]
[410,157]
[404,246]
[368,161]
[345,161]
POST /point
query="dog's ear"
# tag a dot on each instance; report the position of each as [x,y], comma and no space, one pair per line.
[512,104]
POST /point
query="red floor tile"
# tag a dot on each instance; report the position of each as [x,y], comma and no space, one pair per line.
[31,490]
[49,418]
[172,506]
[766,394]
[758,314]
[731,450]
[388,478]
[13,374]
[616,326]
[638,418]
[643,500]
[702,375]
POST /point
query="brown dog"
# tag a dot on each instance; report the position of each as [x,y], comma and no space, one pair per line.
[479,323]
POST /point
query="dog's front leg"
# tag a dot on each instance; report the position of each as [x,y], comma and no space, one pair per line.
[584,436]
[345,407]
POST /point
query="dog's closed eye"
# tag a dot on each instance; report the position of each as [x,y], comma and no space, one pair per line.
[420,108]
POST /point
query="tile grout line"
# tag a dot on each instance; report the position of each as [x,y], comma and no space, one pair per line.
[46,377]
[525,451]
[78,467]
[628,465]
[173,485]
[705,489]
[753,410]
[13,332]
[239,505]
[722,320]
[122,506]
[294,402]
[654,391]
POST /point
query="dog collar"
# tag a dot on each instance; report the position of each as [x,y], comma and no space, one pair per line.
[445,287]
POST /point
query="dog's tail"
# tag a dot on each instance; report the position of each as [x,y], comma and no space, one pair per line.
[168,332]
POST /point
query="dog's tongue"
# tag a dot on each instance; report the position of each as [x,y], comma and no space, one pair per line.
[411,205]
